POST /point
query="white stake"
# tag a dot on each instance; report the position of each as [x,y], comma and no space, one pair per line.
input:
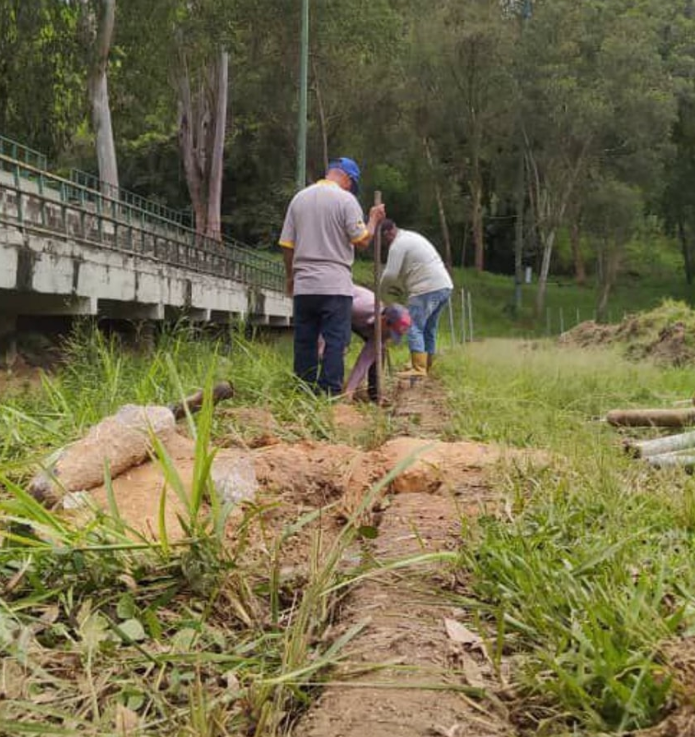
[463,315]
[470,316]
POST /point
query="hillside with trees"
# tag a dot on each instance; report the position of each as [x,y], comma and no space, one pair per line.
[502,128]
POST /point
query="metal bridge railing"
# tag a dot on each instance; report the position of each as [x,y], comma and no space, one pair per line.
[24,154]
[58,205]
[91,182]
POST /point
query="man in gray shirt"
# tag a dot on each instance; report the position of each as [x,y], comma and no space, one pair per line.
[323,226]
[415,267]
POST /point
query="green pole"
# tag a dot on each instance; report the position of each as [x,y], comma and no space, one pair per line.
[303,97]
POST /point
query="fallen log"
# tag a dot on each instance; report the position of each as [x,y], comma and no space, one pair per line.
[672,460]
[658,446]
[223,390]
[122,440]
[651,417]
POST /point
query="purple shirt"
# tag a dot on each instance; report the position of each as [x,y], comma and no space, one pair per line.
[363,323]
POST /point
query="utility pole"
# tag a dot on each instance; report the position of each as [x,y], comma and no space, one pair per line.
[303,97]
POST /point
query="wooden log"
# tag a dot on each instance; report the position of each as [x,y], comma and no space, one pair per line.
[658,446]
[223,390]
[651,417]
[672,460]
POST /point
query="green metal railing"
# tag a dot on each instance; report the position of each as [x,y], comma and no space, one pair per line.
[61,206]
[26,155]
[88,181]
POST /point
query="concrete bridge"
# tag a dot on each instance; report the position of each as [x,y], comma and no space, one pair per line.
[69,249]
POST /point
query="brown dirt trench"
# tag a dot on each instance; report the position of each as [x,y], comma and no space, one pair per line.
[403,674]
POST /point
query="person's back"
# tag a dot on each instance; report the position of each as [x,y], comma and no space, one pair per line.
[326,222]
[421,267]
[414,265]
[323,224]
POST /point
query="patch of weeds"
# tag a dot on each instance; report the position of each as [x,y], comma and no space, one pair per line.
[592,569]
[105,632]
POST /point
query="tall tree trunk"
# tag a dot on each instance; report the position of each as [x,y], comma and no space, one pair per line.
[476,188]
[446,238]
[610,260]
[520,197]
[99,95]
[202,128]
[577,256]
[214,203]
[548,242]
[550,199]
[189,153]
[686,248]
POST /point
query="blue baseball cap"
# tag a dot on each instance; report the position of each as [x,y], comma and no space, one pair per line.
[351,169]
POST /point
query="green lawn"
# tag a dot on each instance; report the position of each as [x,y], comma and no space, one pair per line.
[492,297]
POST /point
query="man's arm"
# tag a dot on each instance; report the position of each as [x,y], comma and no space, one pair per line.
[287,238]
[361,369]
[288,258]
[376,214]
[391,275]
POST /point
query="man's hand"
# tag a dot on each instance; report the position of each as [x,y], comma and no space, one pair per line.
[289,286]
[377,213]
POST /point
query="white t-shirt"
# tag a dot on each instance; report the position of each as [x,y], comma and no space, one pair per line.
[414,265]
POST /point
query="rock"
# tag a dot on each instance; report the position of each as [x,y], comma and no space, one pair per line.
[234,477]
[121,440]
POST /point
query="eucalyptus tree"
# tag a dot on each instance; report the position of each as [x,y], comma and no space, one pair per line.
[613,211]
[461,74]
[98,19]
[677,202]
[596,97]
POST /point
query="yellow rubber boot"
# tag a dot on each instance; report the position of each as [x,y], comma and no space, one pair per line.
[419,367]
[430,361]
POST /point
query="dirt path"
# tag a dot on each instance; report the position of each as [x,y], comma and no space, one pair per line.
[418,692]
[404,675]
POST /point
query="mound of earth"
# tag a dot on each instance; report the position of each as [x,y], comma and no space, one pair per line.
[666,335]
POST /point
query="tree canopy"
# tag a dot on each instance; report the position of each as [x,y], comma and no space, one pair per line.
[472,116]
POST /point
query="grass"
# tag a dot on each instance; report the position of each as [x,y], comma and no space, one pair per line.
[580,585]
[594,572]
[492,297]
[101,628]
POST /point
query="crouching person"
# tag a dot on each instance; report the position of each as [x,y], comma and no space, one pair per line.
[395,321]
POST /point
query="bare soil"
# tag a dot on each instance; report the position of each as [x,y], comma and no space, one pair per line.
[640,337]
[405,674]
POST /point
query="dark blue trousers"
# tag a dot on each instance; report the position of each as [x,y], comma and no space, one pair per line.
[330,316]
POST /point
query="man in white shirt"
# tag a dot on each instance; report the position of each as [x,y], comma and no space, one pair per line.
[415,267]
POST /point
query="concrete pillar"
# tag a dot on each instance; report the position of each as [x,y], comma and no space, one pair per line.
[146,336]
[8,340]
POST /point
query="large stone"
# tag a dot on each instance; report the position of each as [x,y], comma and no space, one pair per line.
[121,441]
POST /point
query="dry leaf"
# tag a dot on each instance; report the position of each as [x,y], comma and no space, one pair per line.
[472,672]
[454,731]
[458,633]
[232,681]
[127,721]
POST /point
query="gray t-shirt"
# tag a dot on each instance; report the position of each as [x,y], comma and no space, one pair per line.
[322,224]
[414,265]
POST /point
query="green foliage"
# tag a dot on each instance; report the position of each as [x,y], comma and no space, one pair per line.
[590,571]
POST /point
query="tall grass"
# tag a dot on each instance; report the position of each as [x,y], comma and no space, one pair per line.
[100,627]
[594,570]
